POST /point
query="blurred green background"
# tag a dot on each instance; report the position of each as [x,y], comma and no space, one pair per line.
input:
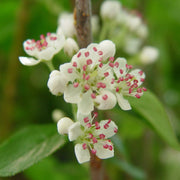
[25,98]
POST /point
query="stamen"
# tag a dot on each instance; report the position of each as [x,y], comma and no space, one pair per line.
[142,79]
[87,77]
[86,87]
[106,126]
[144,89]
[139,90]
[138,96]
[74,64]
[100,52]
[79,54]
[115,130]
[84,146]
[109,121]
[111,64]
[102,136]
[116,64]
[76,84]
[97,125]
[89,61]
[88,125]
[106,146]
[95,49]
[93,151]
[86,119]
[140,73]
[70,70]
[84,68]
[110,148]
[93,96]
[121,71]
[117,89]
[94,140]
[104,97]
[106,74]
[111,59]
[86,54]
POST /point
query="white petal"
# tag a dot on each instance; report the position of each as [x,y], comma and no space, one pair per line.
[72,94]
[64,69]
[86,105]
[120,63]
[82,155]
[74,131]
[28,61]
[123,103]
[104,104]
[81,117]
[108,48]
[103,153]
[63,125]
[138,75]
[57,82]
[109,130]
[46,54]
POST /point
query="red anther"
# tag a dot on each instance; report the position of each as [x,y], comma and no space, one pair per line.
[115,130]
[97,125]
[106,126]
[53,38]
[138,96]
[140,73]
[109,121]
[93,96]
[28,42]
[101,65]
[135,85]
[100,60]
[89,61]
[116,64]
[86,54]
[130,67]
[135,81]
[95,49]
[42,36]
[128,83]
[86,119]
[105,97]
[70,70]
[33,41]
[127,66]
[111,59]
[28,48]
[100,52]
[95,114]
[126,79]
[79,54]
[94,140]
[110,148]
[84,75]
[103,85]
[109,140]
[93,151]
[84,68]
[112,82]
[76,84]
[106,146]
[130,90]
[84,146]
[74,64]
[131,76]
[111,64]
[144,89]
[48,34]
[139,90]
[142,79]
[86,87]
[117,89]
[45,43]
[88,125]
[106,74]
[87,77]
[121,71]
[121,79]
[101,136]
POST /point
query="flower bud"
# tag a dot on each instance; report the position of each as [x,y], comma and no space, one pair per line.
[149,54]
[63,125]
[57,114]
[70,47]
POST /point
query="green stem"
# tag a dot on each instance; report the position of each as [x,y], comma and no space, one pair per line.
[50,65]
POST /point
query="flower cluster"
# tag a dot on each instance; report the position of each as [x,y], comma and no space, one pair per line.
[89,136]
[94,78]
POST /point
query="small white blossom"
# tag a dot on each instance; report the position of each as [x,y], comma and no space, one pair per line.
[70,47]
[149,54]
[57,114]
[110,9]
[92,137]
[66,24]
[43,49]
[126,82]
[88,73]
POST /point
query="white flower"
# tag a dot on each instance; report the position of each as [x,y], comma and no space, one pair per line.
[149,54]
[88,73]
[110,9]
[57,114]
[126,82]
[70,47]
[43,49]
[92,138]
[66,24]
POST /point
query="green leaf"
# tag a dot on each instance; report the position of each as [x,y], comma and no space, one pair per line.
[27,147]
[152,110]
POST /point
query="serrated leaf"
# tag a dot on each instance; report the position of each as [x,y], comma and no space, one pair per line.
[154,113]
[27,147]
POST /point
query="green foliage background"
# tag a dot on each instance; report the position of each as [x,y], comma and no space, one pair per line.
[25,98]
